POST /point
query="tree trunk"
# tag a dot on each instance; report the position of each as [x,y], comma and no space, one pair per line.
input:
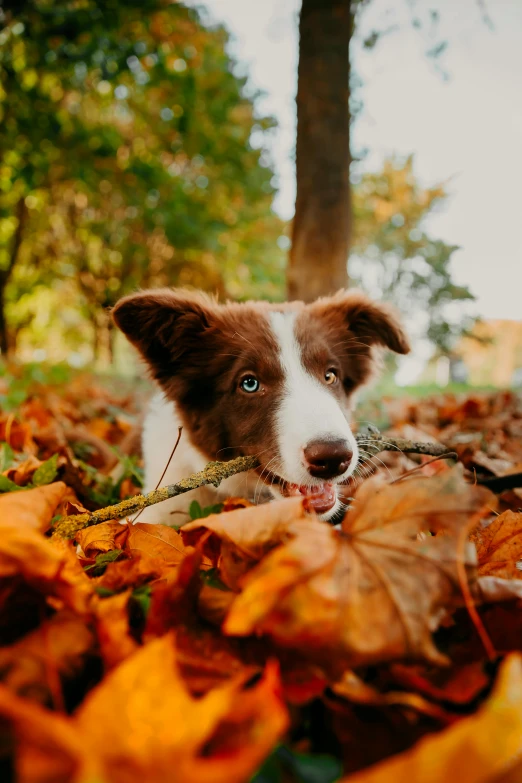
[4,341]
[5,274]
[321,229]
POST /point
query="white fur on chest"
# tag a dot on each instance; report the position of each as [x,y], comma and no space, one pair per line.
[160,432]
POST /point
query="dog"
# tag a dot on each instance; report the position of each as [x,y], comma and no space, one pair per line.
[278,381]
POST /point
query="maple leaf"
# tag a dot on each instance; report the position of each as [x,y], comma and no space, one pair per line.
[57,645]
[141,723]
[499,546]
[484,748]
[158,541]
[49,567]
[102,538]
[32,509]
[112,627]
[240,538]
[374,591]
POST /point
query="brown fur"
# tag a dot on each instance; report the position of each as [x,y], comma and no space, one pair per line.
[198,351]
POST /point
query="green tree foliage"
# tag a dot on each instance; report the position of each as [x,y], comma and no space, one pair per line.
[127,160]
[396,260]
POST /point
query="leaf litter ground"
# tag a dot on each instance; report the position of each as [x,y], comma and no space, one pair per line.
[257,643]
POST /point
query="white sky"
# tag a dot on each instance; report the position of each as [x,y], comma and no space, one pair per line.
[468,128]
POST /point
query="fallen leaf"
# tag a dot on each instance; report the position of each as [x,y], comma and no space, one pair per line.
[484,748]
[132,572]
[499,547]
[19,435]
[355,690]
[57,647]
[318,591]
[112,627]
[454,685]
[156,541]
[33,508]
[240,538]
[51,567]
[49,749]
[142,724]
[21,474]
[102,538]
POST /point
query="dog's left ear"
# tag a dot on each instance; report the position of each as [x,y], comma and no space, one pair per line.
[372,323]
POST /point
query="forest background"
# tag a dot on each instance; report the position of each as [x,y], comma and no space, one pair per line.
[134,154]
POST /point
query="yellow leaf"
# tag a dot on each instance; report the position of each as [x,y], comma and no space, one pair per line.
[31,508]
[484,748]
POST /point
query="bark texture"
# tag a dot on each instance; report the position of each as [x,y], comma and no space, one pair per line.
[322,222]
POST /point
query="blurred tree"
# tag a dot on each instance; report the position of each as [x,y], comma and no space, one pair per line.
[394,259]
[322,227]
[132,155]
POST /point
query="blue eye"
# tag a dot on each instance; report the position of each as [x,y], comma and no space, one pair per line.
[249,384]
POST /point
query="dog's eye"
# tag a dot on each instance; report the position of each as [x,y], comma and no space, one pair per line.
[249,384]
[330,376]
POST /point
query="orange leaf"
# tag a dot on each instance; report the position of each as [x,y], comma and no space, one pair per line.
[374,592]
[156,541]
[31,508]
[56,646]
[499,546]
[142,723]
[22,472]
[49,749]
[102,538]
[51,567]
[244,536]
[132,572]
[484,748]
[112,625]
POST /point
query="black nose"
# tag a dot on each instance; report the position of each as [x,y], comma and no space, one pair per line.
[327,458]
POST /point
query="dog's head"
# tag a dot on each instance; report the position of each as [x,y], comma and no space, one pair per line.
[275,381]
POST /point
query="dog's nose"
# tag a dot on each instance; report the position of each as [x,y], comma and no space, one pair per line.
[327,458]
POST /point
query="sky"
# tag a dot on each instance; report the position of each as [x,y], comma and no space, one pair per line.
[462,120]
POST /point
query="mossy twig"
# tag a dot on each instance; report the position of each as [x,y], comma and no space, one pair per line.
[216,472]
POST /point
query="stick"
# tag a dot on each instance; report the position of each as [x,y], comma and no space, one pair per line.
[216,472]
[501,483]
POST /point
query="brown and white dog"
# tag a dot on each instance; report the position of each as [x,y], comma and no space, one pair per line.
[273,380]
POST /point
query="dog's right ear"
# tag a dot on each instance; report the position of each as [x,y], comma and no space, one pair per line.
[166,325]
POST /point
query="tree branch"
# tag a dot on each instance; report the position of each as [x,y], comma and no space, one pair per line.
[216,472]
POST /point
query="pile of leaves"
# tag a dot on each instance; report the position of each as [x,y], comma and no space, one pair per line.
[259,643]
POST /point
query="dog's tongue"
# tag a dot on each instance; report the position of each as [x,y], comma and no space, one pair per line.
[321,497]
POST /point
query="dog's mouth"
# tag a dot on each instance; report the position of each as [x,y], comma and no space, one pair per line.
[321,497]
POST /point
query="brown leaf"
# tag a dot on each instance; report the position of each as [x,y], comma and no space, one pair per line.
[241,538]
[355,690]
[484,748]
[156,541]
[232,504]
[32,508]
[102,538]
[58,646]
[374,592]
[51,567]
[132,572]
[206,659]
[17,434]
[142,724]
[112,626]
[49,749]
[22,472]
[499,546]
